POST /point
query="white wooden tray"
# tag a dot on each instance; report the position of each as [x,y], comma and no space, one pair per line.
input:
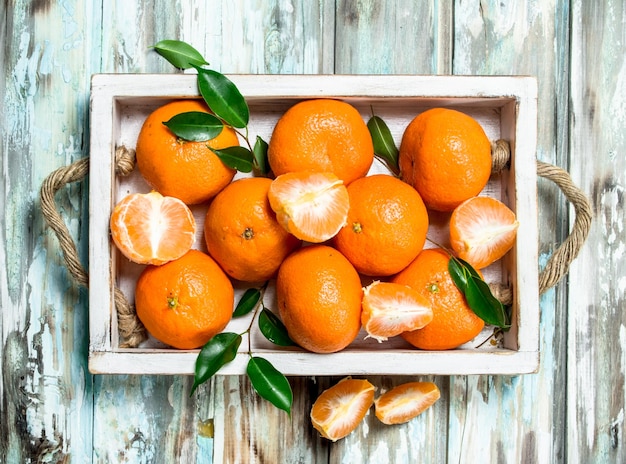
[505,106]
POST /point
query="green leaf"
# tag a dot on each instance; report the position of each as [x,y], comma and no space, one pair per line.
[180,54]
[248,301]
[270,384]
[217,352]
[223,97]
[384,145]
[459,273]
[260,155]
[469,268]
[195,126]
[484,304]
[239,158]
[478,294]
[273,329]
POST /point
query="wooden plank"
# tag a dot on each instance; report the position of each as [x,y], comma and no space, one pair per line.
[269,37]
[512,419]
[393,37]
[596,341]
[45,413]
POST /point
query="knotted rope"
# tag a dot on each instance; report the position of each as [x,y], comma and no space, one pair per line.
[132,330]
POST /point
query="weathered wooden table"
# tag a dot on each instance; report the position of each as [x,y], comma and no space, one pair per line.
[54,410]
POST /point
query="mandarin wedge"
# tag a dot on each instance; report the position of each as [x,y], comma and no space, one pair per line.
[312,206]
[482,230]
[149,228]
[406,401]
[390,309]
[341,408]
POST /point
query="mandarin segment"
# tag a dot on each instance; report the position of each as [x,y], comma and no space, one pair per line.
[405,402]
[390,309]
[482,230]
[386,225]
[312,206]
[149,228]
[454,323]
[185,302]
[446,155]
[242,233]
[340,409]
[174,167]
[321,135]
[319,298]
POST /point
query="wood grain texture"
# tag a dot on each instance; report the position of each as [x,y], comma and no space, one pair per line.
[393,37]
[595,358]
[53,410]
[46,390]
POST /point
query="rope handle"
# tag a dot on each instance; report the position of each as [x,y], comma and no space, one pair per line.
[131,329]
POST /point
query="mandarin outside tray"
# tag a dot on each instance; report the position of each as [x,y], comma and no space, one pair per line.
[505,106]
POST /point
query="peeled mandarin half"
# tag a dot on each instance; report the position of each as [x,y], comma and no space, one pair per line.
[149,228]
[341,408]
[482,230]
[390,309]
[312,206]
[406,401]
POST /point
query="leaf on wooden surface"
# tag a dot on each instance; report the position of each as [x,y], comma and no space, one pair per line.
[195,126]
[223,97]
[248,301]
[478,294]
[239,158]
[217,352]
[269,383]
[179,54]
[384,145]
[273,329]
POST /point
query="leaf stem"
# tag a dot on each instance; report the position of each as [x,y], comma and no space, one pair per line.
[244,136]
[444,248]
[259,306]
